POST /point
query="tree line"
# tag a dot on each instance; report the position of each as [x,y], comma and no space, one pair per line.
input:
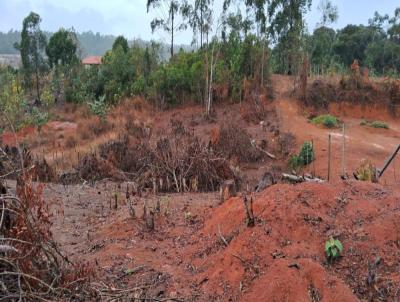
[247,42]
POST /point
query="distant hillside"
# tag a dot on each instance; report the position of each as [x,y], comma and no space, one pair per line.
[90,43]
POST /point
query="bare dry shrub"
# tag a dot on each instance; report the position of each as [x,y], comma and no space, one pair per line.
[131,157]
[253,110]
[179,161]
[93,127]
[393,87]
[138,129]
[235,142]
[31,266]
[92,167]
[366,171]
[320,94]
[12,159]
[42,171]
[188,164]
[71,141]
[286,142]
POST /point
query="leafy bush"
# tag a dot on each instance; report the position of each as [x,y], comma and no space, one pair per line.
[295,163]
[327,120]
[37,117]
[379,124]
[306,155]
[333,249]
[99,107]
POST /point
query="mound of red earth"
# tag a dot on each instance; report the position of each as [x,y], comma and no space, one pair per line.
[282,257]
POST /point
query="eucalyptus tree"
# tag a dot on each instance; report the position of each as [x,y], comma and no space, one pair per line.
[329,12]
[199,16]
[168,11]
[286,28]
[32,48]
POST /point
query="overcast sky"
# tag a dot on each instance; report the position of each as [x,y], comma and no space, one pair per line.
[129,17]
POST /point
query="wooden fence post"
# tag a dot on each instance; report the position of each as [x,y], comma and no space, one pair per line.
[329,157]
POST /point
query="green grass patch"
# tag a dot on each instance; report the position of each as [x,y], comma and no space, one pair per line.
[327,120]
[375,124]
[379,124]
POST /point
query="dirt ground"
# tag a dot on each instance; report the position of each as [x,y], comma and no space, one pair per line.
[202,250]
[361,142]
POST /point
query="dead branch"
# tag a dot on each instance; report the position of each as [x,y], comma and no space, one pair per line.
[222,237]
[253,143]
[250,221]
[299,178]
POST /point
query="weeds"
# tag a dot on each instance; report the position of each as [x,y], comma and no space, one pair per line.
[366,171]
[378,124]
[375,124]
[326,120]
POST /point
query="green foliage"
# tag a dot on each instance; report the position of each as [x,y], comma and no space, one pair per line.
[327,120]
[32,49]
[329,12]
[306,155]
[333,249]
[37,117]
[168,23]
[12,96]
[287,28]
[62,48]
[379,124]
[295,162]
[99,107]
[374,124]
[120,41]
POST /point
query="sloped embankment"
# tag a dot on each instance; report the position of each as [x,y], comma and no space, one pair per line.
[282,257]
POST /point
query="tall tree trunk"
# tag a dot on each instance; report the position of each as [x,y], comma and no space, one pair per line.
[201,24]
[172,33]
[37,83]
[262,64]
[209,101]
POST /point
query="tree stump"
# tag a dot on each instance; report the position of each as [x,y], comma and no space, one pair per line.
[150,221]
[227,190]
[266,181]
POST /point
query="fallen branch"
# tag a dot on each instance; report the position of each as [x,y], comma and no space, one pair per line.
[7,248]
[253,143]
[299,178]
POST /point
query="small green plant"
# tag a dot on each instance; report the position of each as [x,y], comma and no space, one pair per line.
[327,120]
[379,124]
[333,249]
[37,117]
[306,155]
[295,162]
[99,107]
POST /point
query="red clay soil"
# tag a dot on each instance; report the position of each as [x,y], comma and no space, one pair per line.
[10,138]
[281,258]
[362,142]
